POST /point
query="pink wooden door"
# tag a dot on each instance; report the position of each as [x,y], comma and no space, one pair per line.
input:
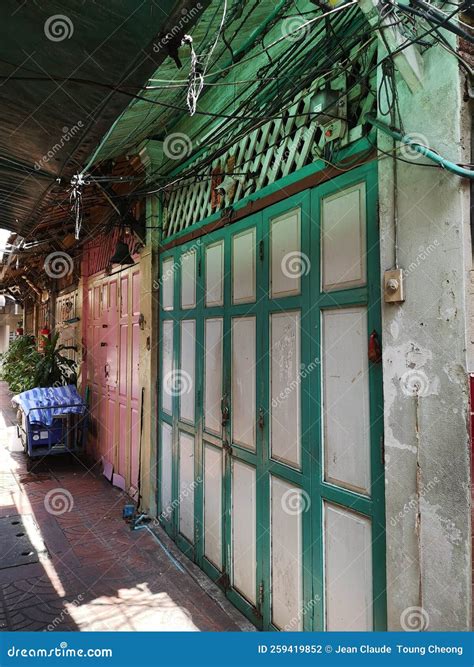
[128,383]
[112,364]
[94,365]
[109,370]
[124,375]
[135,425]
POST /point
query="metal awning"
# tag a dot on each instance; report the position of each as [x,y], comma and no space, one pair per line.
[60,65]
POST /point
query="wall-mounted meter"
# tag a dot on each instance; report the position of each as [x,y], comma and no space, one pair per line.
[328,109]
[324,106]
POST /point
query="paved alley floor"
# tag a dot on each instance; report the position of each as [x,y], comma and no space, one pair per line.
[92,572]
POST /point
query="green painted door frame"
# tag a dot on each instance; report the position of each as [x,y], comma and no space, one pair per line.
[311,302]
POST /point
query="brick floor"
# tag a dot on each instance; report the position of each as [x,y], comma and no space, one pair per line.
[96,574]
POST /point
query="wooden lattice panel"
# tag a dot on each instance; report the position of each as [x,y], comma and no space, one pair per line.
[263,156]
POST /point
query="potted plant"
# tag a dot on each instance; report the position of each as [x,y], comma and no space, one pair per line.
[23,367]
[54,368]
[18,364]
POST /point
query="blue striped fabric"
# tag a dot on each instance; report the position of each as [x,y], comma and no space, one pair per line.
[52,401]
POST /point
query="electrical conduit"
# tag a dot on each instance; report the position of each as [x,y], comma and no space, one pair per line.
[419,148]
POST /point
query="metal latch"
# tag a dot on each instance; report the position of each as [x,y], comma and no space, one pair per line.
[225,412]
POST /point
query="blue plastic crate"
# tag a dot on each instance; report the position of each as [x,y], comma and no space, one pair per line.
[40,435]
[53,420]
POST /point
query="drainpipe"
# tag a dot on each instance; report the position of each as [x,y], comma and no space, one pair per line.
[423,150]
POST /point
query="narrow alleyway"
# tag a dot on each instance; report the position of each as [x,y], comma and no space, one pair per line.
[88,571]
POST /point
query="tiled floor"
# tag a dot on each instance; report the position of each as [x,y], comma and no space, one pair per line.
[96,574]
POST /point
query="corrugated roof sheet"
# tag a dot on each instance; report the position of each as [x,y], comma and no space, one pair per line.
[249,29]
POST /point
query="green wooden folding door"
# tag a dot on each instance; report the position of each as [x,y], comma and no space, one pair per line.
[270,411]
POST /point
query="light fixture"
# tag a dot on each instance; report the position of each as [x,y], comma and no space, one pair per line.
[122,254]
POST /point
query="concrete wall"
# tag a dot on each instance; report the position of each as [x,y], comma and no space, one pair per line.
[425,361]
[8,323]
[149,338]
[4,337]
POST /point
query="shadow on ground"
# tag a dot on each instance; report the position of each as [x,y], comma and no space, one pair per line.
[95,573]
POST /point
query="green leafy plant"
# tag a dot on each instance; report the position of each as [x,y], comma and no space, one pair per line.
[23,367]
[18,364]
[53,367]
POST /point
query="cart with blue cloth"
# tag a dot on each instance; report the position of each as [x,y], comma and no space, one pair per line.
[52,420]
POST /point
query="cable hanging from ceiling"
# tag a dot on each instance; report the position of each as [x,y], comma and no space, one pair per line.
[239,118]
[388,57]
[199,67]
[76,192]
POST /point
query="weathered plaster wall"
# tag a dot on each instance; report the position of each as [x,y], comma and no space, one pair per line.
[470,342]
[425,362]
[149,362]
[8,323]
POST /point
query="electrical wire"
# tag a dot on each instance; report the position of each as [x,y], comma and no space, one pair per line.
[285,115]
[430,12]
[245,130]
[272,44]
[240,118]
[388,56]
[140,97]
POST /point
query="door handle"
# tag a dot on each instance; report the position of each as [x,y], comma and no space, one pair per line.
[261,419]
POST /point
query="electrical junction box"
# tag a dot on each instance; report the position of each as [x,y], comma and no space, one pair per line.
[324,107]
[328,109]
[393,287]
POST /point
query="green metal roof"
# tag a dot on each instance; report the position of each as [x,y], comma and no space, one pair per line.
[60,62]
[242,69]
